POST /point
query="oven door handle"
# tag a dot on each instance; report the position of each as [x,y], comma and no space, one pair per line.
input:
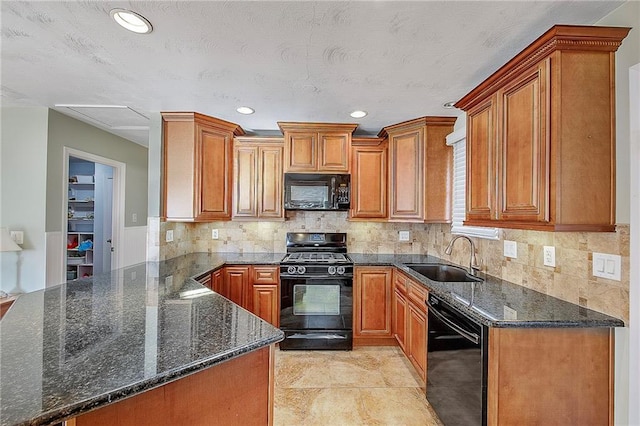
[455,327]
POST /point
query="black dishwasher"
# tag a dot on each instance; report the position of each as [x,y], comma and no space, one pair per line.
[456,365]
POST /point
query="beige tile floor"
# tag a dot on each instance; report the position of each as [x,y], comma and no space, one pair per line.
[366,386]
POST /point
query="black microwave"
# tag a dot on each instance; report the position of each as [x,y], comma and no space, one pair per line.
[311,191]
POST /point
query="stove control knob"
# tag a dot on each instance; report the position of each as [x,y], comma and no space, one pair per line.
[340,270]
[332,270]
[291,270]
[302,269]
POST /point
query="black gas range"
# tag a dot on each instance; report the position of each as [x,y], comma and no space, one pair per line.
[316,302]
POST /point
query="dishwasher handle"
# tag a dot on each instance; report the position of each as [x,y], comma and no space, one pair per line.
[455,327]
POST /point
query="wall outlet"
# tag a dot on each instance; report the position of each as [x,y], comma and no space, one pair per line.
[607,266]
[214,234]
[134,217]
[404,236]
[510,249]
[549,255]
[169,236]
[17,237]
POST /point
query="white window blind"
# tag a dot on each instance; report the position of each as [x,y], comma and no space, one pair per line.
[458,141]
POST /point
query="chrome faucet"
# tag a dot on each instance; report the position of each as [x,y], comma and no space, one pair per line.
[473,261]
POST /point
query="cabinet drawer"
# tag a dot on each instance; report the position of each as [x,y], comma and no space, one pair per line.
[265,275]
[417,294]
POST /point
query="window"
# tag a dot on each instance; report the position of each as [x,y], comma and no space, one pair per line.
[458,140]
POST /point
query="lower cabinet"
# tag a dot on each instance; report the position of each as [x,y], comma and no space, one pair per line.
[372,305]
[410,320]
[255,288]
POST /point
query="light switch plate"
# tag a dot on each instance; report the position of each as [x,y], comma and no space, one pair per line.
[549,254]
[214,234]
[17,237]
[607,266]
[404,236]
[510,249]
[169,236]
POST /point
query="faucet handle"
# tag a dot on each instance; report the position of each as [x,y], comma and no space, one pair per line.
[477,265]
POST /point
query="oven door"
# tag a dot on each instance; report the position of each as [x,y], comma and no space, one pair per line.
[316,313]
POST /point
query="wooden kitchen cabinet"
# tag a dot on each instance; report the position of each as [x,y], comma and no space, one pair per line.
[206,280]
[372,305]
[257,178]
[420,170]
[541,135]
[236,285]
[369,184]
[217,278]
[317,147]
[265,282]
[197,154]
[416,344]
[550,376]
[399,310]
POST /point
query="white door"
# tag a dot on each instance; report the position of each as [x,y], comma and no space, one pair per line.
[103,218]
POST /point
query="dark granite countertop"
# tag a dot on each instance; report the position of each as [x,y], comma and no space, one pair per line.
[71,348]
[495,302]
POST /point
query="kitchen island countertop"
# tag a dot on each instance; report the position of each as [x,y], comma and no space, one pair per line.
[71,348]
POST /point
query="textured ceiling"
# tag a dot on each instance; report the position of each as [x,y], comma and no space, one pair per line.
[290,61]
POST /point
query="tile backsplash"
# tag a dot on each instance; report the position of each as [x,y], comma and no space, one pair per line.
[570,279]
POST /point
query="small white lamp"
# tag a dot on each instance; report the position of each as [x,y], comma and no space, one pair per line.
[7,244]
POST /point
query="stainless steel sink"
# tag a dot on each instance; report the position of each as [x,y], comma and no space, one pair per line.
[442,273]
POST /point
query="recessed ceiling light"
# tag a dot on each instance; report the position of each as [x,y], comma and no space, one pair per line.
[245,110]
[449,105]
[358,114]
[132,21]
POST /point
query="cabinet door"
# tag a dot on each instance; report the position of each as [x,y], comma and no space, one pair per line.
[438,183]
[417,339]
[214,177]
[523,148]
[481,162]
[369,182]
[245,182]
[301,151]
[236,285]
[270,185]
[333,150]
[406,155]
[218,281]
[265,303]
[372,302]
[399,313]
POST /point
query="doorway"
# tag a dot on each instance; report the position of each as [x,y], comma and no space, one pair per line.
[92,225]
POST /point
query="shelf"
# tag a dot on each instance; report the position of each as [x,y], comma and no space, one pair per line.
[77,219]
[81,201]
[79,232]
[75,249]
[80,184]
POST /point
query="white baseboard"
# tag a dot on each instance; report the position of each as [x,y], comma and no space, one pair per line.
[134,249]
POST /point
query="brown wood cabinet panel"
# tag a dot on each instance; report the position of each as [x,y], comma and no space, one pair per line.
[197,165]
[333,151]
[438,184]
[523,146]
[317,147]
[399,316]
[369,180]
[265,275]
[206,280]
[218,281]
[270,183]
[257,178]
[554,135]
[245,183]
[236,285]
[266,303]
[481,162]
[550,376]
[372,302]
[417,339]
[238,391]
[406,190]
[301,151]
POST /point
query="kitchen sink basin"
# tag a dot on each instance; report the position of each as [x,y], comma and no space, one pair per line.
[442,273]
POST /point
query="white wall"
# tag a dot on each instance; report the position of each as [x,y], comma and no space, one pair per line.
[23,173]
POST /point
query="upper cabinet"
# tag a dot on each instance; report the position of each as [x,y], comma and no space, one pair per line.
[420,170]
[369,171]
[541,135]
[316,147]
[197,162]
[257,178]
